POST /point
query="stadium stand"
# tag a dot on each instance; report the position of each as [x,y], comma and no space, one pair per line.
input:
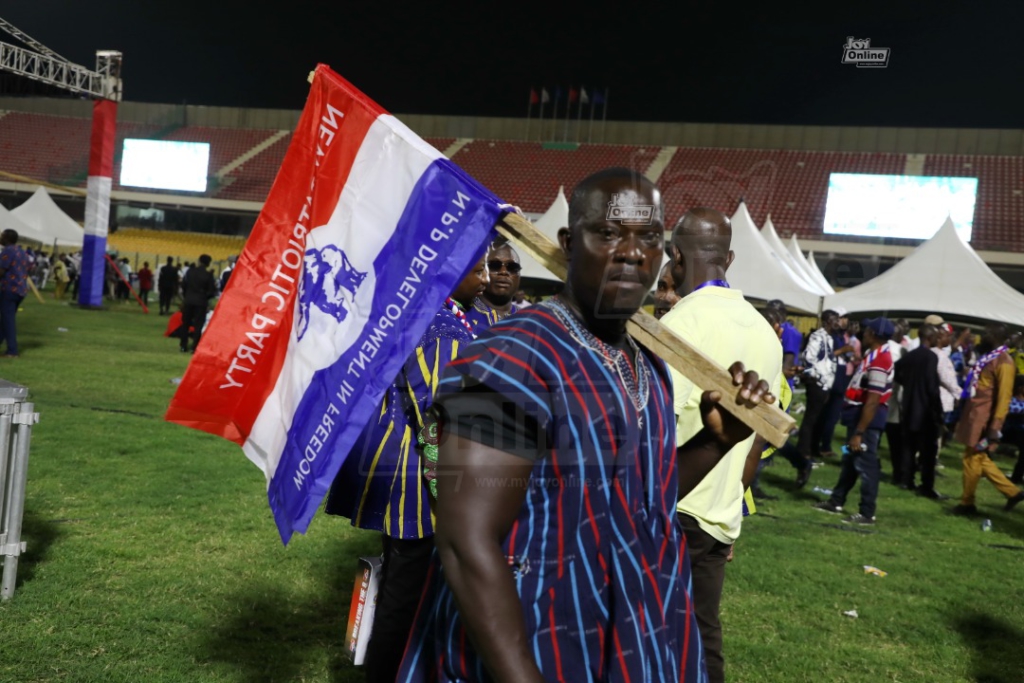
[226,144]
[252,180]
[40,146]
[528,175]
[187,245]
[999,212]
[791,185]
[441,144]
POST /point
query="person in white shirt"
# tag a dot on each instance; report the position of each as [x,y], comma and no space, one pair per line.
[819,359]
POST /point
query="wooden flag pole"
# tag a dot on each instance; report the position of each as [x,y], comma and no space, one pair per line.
[35,291]
[767,420]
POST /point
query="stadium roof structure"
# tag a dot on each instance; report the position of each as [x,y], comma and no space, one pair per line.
[784,255]
[760,273]
[808,264]
[42,214]
[943,275]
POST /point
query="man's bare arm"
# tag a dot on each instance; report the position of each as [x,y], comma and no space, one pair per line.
[480,491]
[753,460]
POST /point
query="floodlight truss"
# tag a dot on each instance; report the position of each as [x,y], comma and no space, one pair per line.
[42,64]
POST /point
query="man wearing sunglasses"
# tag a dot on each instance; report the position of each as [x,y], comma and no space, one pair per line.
[496,302]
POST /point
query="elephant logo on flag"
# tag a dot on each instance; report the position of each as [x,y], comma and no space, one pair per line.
[328,281]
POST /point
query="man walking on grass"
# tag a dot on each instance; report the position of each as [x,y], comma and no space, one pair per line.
[573,567]
[865,414]
[718,321]
[168,285]
[14,265]
[921,410]
[987,391]
[197,288]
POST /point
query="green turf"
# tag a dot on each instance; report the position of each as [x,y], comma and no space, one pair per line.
[152,555]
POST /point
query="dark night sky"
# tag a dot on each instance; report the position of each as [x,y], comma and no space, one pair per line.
[952,64]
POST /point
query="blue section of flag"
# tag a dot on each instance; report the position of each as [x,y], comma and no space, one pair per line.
[94,268]
[598,97]
[342,398]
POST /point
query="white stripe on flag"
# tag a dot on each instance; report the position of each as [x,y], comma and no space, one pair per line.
[97,205]
[383,177]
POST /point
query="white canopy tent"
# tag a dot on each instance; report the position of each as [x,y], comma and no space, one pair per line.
[760,273]
[809,270]
[817,271]
[780,250]
[41,213]
[943,275]
[8,221]
[556,217]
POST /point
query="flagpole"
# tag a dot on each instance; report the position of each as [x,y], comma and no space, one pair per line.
[579,115]
[568,108]
[529,108]
[554,116]
[590,130]
[604,116]
[540,122]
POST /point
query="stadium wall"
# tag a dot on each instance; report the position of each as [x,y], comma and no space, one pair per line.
[997,142]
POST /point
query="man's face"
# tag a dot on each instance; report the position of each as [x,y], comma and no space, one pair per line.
[843,323]
[665,296]
[831,324]
[473,284]
[612,264]
[991,336]
[503,268]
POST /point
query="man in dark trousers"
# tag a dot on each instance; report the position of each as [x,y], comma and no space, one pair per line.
[864,414]
[14,265]
[168,284]
[920,411]
[197,288]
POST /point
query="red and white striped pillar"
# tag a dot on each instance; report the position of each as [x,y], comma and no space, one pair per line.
[97,202]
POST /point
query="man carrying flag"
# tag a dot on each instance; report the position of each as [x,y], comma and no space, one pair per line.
[560,558]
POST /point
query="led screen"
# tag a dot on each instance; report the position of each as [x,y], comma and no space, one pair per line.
[165,165]
[911,207]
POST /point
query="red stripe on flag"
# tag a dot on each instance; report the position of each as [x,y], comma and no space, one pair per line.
[104,135]
[329,134]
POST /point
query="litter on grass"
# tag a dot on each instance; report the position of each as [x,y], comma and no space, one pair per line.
[868,569]
[818,489]
[851,613]
[175,380]
[62,329]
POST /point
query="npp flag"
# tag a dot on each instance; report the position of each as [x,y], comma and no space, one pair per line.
[366,231]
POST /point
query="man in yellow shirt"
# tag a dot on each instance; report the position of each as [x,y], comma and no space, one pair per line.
[717,320]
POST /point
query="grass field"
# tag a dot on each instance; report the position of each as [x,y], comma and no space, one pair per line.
[152,555]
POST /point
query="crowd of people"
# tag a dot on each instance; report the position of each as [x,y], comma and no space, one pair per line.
[933,387]
[555,503]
